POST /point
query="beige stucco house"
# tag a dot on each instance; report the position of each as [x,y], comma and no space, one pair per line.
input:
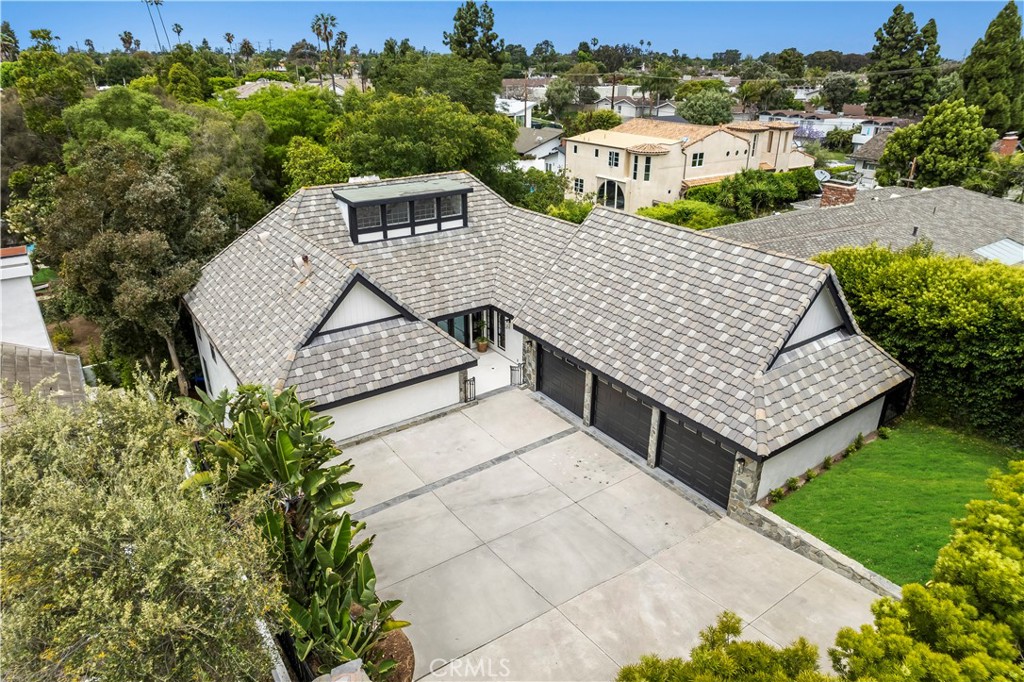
[644,162]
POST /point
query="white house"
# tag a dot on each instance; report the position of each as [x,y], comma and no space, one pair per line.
[728,367]
[540,148]
[21,320]
[629,107]
[519,110]
[813,126]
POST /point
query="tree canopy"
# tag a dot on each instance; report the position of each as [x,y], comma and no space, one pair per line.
[706,107]
[904,66]
[993,73]
[473,35]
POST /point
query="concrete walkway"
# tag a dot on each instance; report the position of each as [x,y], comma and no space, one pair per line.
[524,549]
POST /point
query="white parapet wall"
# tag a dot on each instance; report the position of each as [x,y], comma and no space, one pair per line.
[810,452]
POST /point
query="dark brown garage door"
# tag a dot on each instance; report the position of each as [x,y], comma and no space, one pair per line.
[697,462]
[561,381]
[621,415]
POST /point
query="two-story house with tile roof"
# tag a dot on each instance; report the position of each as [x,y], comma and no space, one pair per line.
[729,367]
[645,162]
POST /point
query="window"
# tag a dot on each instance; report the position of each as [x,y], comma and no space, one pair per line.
[398,214]
[647,168]
[697,160]
[597,153]
[727,153]
[424,209]
[577,185]
[575,148]
[636,164]
[549,167]
[613,159]
[451,206]
[753,146]
[771,140]
[367,216]
[213,352]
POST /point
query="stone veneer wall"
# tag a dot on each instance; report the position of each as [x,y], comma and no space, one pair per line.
[786,534]
[530,363]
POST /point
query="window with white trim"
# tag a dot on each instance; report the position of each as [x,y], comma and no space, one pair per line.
[451,206]
[398,214]
[367,217]
[577,185]
[613,159]
[697,160]
[424,209]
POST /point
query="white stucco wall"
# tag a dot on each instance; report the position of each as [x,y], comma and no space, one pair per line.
[219,376]
[513,344]
[393,407]
[811,452]
[21,320]
[822,316]
[360,306]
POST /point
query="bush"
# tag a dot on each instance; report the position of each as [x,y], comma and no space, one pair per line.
[706,193]
[792,483]
[218,83]
[826,463]
[695,215]
[858,442]
[573,211]
[884,432]
[63,336]
[958,324]
[751,193]
[776,494]
[810,475]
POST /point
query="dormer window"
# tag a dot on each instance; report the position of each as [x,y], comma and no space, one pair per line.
[382,212]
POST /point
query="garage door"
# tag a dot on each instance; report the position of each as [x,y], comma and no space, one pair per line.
[621,415]
[697,462]
[561,381]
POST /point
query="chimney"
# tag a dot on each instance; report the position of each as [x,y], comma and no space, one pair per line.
[1008,145]
[837,193]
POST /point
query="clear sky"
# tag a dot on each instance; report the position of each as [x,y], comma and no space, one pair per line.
[695,28]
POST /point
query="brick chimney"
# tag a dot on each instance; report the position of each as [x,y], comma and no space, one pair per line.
[1008,145]
[837,193]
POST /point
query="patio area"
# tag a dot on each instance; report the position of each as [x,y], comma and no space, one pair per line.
[524,549]
[492,372]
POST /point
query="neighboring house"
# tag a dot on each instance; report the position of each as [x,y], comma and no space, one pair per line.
[865,159]
[644,161]
[518,110]
[247,90]
[339,85]
[1008,145]
[802,93]
[813,126]
[629,107]
[58,376]
[540,148]
[729,368]
[535,88]
[21,321]
[956,221]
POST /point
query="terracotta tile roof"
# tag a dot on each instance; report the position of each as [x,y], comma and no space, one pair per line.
[782,125]
[764,165]
[747,126]
[665,129]
[648,149]
[709,180]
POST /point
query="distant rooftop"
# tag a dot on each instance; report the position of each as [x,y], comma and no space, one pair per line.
[1005,251]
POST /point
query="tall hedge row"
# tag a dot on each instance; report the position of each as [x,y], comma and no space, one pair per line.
[958,324]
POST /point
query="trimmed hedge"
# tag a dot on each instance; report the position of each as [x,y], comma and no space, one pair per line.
[958,324]
[751,193]
[695,215]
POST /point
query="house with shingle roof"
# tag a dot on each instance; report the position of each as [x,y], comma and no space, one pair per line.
[646,161]
[540,148]
[866,157]
[729,367]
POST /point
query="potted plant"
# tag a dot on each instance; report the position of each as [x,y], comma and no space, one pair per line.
[481,340]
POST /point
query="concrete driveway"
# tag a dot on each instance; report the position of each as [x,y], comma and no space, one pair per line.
[525,549]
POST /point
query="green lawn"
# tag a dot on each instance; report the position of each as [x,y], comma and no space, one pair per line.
[42,276]
[889,505]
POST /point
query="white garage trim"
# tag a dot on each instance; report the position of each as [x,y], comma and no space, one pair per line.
[393,407]
[810,452]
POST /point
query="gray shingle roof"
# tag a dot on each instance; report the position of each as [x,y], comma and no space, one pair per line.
[341,365]
[873,148]
[529,139]
[954,219]
[685,318]
[59,375]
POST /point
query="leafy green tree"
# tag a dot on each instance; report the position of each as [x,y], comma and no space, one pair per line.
[559,96]
[752,192]
[692,87]
[8,42]
[570,210]
[183,85]
[585,121]
[942,149]
[695,215]
[791,62]
[999,176]
[46,86]
[993,73]
[120,69]
[904,66]
[949,87]
[22,152]
[826,60]
[722,657]
[396,136]
[308,163]
[956,323]
[838,89]
[474,83]
[755,69]
[154,582]
[584,76]
[839,140]
[473,35]
[660,82]
[706,107]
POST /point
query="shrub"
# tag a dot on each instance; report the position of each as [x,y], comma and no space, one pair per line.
[695,215]
[884,432]
[858,442]
[776,494]
[706,193]
[63,336]
[958,324]
[826,463]
[573,211]
[850,449]
[810,475]
[751,192]
[792,483]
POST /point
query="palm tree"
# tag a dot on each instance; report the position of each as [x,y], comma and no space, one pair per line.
[323,28]
[177,31]
[157,3]
[230,39]
[126,40]
[147,3]
[89,45]
[136,44]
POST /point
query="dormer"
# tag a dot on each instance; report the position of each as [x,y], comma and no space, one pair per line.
[407,209]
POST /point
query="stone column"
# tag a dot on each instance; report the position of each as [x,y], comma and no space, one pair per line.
[652,442]
[463,375]
[530,363]
[746,477]
[588,398]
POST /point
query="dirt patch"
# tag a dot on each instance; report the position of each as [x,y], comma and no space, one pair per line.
[396,646]
[84,333]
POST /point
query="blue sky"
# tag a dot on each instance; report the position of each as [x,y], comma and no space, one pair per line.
[695,28]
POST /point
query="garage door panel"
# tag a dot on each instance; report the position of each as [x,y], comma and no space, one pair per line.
[620,414]
[562,381]
[696,461]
